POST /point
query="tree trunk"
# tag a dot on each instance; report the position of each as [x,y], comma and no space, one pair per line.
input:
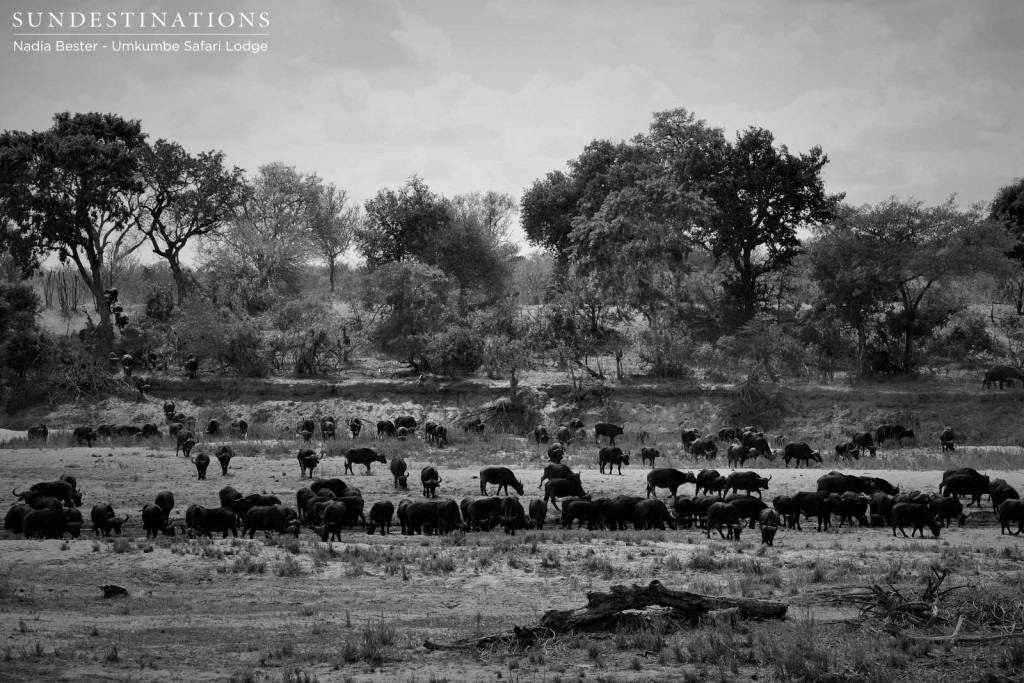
[330,270]
[605,610]
[179,278]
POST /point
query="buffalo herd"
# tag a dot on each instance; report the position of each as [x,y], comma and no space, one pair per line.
[726,503]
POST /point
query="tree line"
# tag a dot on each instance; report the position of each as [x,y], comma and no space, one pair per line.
[679,246]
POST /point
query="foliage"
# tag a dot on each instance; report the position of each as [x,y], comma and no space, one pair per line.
[766,349]
[185,196]
[456,351]
[410,301]
[965,335]
[66,187]
[21,344]
[668,353]
[332,223]
[160,304]
[307,337]
[231,338]
[262,254]
[893,266]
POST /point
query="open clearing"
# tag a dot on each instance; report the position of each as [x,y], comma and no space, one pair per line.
[283,610]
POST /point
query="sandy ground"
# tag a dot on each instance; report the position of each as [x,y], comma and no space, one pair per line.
[190,614]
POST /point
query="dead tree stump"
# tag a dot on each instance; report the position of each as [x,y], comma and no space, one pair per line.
[603,610]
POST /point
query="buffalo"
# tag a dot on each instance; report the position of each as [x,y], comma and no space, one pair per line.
[201,461]
[538,512]
[946,439]
[240,428]
[555,471]
[512,515]
[653,514]
[865,440]
[1001,374]
[154,521]
[362,456]
[704,447]
[381,513]
[1011,511]
[562,488]
[607,429]
[184,442]
[747,481]
[541,435]
[724,514]
[974,486]
[355,426]
[799,452]
[612,456]
[556,452]
[51,524]
[430,480]
[213,427]
[914,515]
[667,478]
[38,433]
[224,455]
[502,477]
[14,521]
[399,472]
[887,432]
[649,455]
[768,522]
[847,451]
[86,434]
[688,437]
[308,461]
[999,491]
[268,518]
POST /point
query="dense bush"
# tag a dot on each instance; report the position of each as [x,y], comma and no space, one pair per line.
[457,351]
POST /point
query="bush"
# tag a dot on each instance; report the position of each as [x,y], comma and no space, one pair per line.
[160,304]
[457,351]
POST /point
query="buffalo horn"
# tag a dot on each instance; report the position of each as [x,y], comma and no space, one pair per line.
[125,518]
[769,477]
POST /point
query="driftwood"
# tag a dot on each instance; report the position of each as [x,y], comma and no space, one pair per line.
[609,610]
[605,610]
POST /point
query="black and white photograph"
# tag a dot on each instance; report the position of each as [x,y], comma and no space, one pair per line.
[528,341]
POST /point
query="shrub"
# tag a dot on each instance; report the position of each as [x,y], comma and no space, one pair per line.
[457,351]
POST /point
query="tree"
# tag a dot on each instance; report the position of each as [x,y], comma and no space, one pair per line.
[186,196]
[264,251]
[465,237]
[908,255]
[69,187]
[759,196]
[1008,209]
[332,223]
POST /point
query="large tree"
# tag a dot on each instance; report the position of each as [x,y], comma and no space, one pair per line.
[907,255]
[186,196]
[263,252]
[332,223]
[1008,208]
[70,187]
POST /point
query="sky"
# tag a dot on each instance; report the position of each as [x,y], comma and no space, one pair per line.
[912,98]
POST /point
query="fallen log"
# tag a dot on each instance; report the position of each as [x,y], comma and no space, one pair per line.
[604,610]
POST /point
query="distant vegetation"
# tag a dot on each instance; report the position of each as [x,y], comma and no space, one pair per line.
[675,250]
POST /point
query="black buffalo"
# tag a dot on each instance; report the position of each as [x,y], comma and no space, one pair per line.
[541,435]
[430,480]
[362,456]
[556,452]
[38,433]
[213,427]
[747,481]
[555,471]
[201,461]
[704,447]
[86,434]
[914,515]
[355,425]
[1011,511]
[612,456]
[800,451]
[154,521]
[381,513]
[563,488]
[667,478]
[51,524]
[649,455]
[847,451]
[653,514]
[500,476]
[607,429]
[999,491]
[268,518]
[689,436]
[224,455]
[184,442]
[14,521]
[399,471]
[897,433]
[1002,374]
[512,515]
[240,428]
[104,520]
[724,514]
[865,440]
[768,522]
[308,461]
[947,438]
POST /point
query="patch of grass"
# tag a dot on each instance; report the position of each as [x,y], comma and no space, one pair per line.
[551,560]
[377,638]
[704,560]
[438,564]
[246,564]
[599,565]
[113,655]
[290,567]
[122,545]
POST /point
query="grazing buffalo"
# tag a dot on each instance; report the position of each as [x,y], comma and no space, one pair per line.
[607,429]
[667,478]
[541,435]
[703,478]
[563,435]
[355,425]
[228,495]
[224,455]
[612,456]
[201,461]
[555,471]
[362,456]
[86,434]
[562,488]
[51,524]
[914,515]
[399,470]
[871,484]
[819,504]
[38,433]
[268,518]
[622,512]
[476,425]
[1010,511]
[335,486]
[127,430]
[724,514]
[240,428]
[441,436]
[213,427]
[649,455]
[430,480]
[580,510]
[500,476]
[959,470]
[704,447]
[155,522]
[865,440]
[789,508]
[1002,374]
[104,520]
[729,434]
[406,421]
[482,514]
[847,451]
[150,430]
[165,501]
[974,486]
[308,461]
[946,439]
[880,505]
[799,452]
[538,512]
[381,513]
[747,481]
[185,441]
[512,515]
[887,432]
[947,509]
[386,428]
[14,521]
[768,521]
[747,506]
[852,506]
[653,514]
[327,428]
[737,454]
[999,491]
[689,436]
[62,491]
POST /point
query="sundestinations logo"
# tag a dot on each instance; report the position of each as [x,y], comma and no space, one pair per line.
[61,32]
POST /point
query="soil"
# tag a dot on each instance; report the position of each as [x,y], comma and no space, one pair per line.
[195,610]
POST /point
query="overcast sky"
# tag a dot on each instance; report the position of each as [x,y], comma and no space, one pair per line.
[919,98]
